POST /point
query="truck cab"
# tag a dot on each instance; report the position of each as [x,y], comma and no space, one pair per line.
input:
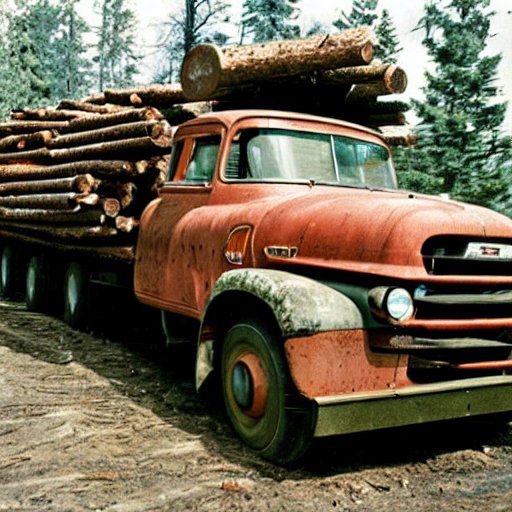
[323,300]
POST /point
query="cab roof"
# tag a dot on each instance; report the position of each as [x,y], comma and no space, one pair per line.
[229,117]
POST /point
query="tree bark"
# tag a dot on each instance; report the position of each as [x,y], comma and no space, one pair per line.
[364,92]
[34,155]
[97,168]
[207,69]
[122,131]
[397,118]
[83,183]
[94,122]
[47,114]
[398,135]
[155,95]
[76,216]
[25,141]
[182,112]
[59,201]
[96,99]
[392,77]
[147,146]
[24,127]
[124,192]
[88,107]
[63,233]
[112,149]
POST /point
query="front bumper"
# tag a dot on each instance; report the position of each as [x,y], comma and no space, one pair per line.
[364,411]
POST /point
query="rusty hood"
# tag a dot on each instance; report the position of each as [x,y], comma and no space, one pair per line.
[371,231]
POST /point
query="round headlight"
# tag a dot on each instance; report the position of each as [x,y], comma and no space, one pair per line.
[399,304]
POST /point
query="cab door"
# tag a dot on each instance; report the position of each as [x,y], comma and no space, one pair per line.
[170,249]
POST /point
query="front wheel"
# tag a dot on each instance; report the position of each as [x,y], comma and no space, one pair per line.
[261,401]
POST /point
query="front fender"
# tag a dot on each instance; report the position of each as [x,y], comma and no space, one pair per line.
[301,307]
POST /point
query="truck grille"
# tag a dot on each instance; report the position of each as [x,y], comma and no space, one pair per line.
[459,255]
[488,304]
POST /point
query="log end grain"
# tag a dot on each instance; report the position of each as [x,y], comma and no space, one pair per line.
[135,99]
[395,79]
[200,73]
[367,52]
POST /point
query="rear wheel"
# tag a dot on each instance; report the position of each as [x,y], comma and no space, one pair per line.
[261,401]
[10,266]
[39,284]
[76,295]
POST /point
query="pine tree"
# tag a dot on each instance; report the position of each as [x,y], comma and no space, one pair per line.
[198,22]
[6,99]
[72,67]
[116,55]
[268,20]
[365,12]
[461,147]
[388,46]
[57,34]
[26,70]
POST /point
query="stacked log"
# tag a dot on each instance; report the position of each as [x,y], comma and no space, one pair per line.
[78,176]
[331,76]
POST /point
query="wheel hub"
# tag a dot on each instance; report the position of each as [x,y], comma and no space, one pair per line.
[250,385]
[72,292]
[31,280]
[3,270]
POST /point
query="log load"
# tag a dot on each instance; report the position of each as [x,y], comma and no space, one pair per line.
[209,72]
[84,182]
[161,95]
[325,75]
[78,176]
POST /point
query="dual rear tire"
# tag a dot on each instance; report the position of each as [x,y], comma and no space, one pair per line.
[47,288]
[40,285]
[10,271]
[47,291]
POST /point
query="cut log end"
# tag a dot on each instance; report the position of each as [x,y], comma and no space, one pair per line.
[200,73]
[395,79]
[367,52]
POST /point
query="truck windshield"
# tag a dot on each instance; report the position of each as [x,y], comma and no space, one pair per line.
[297,156]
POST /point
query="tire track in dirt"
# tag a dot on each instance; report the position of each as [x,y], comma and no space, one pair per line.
[87,423]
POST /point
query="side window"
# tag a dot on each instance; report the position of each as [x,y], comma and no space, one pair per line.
[203,159]
[175,157]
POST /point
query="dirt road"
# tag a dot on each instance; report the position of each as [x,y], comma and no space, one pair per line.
[101,423]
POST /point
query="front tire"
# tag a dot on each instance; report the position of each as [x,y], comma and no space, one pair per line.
[261,401]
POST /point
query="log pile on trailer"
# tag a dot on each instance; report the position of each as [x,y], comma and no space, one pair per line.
[79,175]
[328,75]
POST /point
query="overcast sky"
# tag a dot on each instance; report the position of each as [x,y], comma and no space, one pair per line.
[405,15]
